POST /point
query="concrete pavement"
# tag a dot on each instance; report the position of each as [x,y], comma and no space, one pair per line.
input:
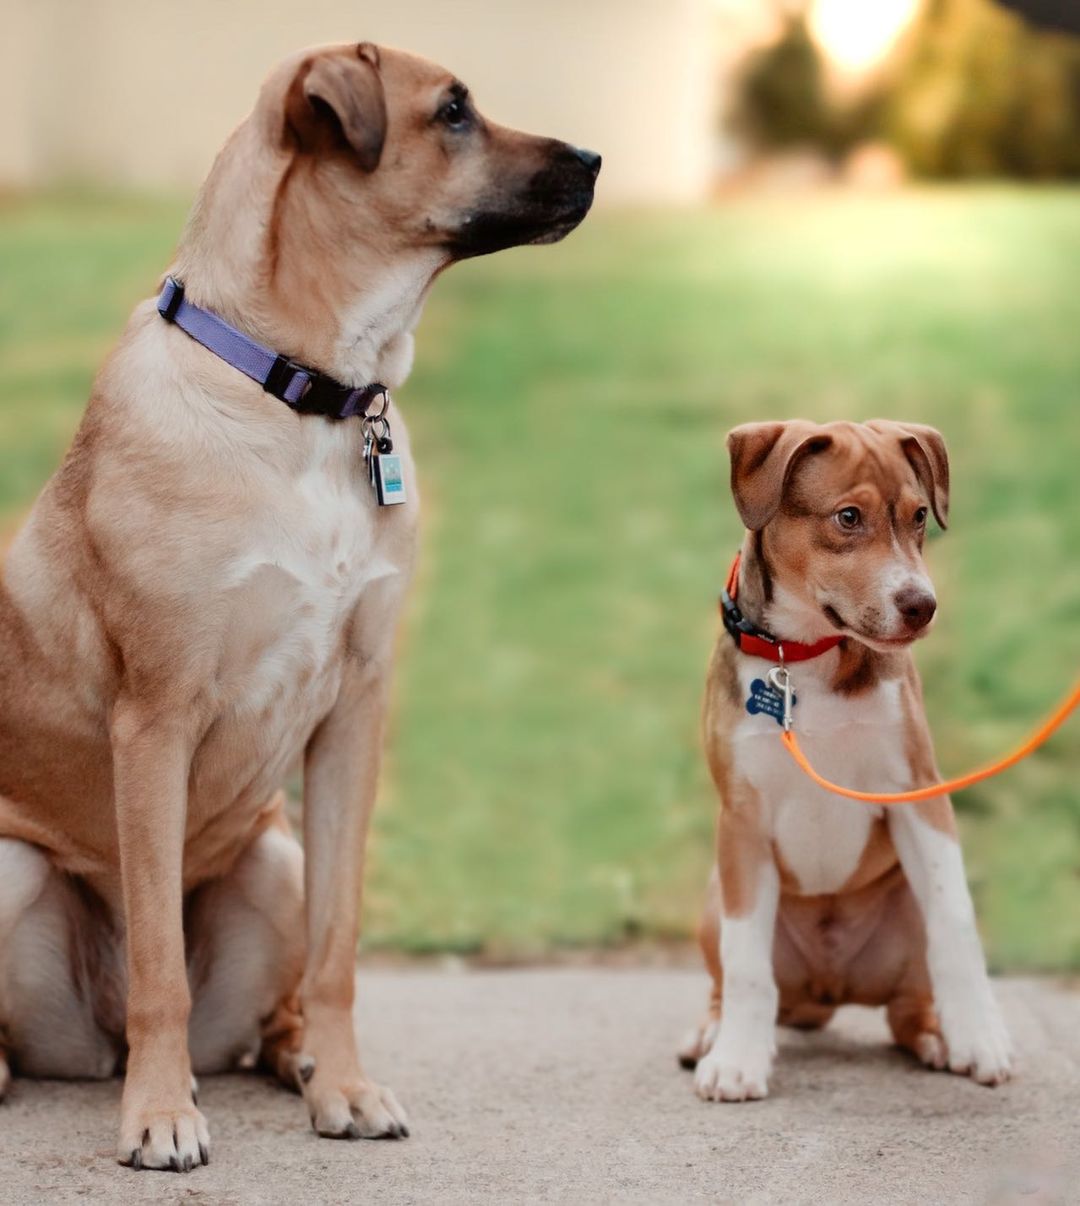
[561,1085]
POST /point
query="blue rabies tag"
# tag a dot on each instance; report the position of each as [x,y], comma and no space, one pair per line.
[764,699]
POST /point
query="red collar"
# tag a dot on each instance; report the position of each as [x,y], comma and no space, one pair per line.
[755,641]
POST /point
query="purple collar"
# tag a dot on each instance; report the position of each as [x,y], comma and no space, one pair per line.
[306,390]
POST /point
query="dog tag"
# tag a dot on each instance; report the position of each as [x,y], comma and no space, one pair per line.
[388,478]
[385,470]
[767,701]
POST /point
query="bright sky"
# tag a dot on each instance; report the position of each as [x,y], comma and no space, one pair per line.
[855,34]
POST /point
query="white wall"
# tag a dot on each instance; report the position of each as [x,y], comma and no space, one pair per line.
[142,92]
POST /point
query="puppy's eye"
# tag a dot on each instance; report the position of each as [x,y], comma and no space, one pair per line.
[920,517]
[849,518]
[454,113]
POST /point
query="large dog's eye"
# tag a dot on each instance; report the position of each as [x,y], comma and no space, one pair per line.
[849,518]
[920,517]
[454,113]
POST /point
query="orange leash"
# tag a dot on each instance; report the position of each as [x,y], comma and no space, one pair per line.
[1052,723]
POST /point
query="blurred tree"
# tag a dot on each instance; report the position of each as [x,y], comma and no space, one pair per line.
[782,97]
[783,100]
[971,90]
[978,92]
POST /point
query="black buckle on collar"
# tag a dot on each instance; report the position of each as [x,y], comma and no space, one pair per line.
[738,625]
[327,397]
[280,377]
[322,395]
[175,300]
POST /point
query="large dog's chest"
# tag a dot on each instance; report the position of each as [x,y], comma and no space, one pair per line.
[293,599]
[857,741]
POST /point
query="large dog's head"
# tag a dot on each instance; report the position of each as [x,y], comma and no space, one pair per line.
[361,173]
[842,509]
[404,137]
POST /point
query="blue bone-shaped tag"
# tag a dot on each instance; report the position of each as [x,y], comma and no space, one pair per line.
[764,699]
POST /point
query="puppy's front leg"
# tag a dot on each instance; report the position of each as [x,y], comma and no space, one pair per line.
[160,1126]
[971,1023]
[340,772]
[737,1068]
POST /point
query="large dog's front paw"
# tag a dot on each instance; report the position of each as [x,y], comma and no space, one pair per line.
[734,1076]
[354,1109]
[978,1042]
[158,1136]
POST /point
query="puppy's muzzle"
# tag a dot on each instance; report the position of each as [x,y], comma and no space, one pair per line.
[916,607]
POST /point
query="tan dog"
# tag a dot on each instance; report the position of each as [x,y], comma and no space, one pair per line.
[816,900]
[206,595]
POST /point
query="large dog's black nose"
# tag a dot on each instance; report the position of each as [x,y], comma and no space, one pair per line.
[916,606]
[590,159]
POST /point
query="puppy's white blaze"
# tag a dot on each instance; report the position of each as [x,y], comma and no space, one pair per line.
[900,576]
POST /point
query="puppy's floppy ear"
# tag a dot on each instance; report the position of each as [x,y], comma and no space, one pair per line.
[337,100]
[763,456]
[924,448]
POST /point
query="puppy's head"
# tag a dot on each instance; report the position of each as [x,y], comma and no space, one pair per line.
[842,510]
[402,138]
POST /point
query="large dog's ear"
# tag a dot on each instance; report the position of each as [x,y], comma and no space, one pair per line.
[337,100]
[763,456]
[924,448]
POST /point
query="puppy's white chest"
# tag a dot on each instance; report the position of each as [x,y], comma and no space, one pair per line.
[856,741]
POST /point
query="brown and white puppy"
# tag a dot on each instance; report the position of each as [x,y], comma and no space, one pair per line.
[206,595]
[815,900]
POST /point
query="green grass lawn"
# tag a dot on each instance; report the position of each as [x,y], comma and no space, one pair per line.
[569,407]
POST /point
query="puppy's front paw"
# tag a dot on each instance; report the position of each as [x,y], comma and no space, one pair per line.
[979,1046]
[697,1042]
[356,1109]
[929,1048]
[177,1139]
[719,1077]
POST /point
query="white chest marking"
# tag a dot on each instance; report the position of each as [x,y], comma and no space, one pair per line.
[857,741]
[321,541]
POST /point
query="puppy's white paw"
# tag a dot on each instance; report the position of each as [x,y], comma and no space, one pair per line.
[719,1077]
[697,1042]
[930,1049]
[978,1044]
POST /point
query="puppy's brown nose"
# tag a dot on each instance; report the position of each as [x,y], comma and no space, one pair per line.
[916,606]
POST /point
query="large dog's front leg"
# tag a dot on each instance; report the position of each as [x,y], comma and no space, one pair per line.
[160,1126]
[340,774]
[971,1023]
